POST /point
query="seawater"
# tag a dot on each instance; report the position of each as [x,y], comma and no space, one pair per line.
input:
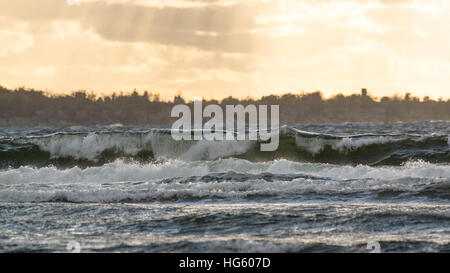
[328,188]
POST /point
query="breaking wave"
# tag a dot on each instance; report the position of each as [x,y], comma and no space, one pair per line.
[226,178]
[98,148]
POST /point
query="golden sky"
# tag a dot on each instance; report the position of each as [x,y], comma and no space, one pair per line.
[218,48]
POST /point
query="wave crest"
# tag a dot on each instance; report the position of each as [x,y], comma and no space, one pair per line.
[97,148]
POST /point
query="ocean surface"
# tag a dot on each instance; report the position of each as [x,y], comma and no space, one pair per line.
[328,188]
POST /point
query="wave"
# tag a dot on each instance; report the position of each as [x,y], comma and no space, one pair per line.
[98,148]
[120,171]
[226,178]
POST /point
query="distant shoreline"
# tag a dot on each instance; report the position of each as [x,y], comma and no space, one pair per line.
[31,108]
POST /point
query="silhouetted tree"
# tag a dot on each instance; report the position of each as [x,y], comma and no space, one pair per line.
[29,107]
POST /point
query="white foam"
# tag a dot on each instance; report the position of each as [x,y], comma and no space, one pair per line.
[163,146]
[418,169]
[118,181]
[347,144]
[149,191]
[92,145]
[113,172]
[119,171]
[315,145]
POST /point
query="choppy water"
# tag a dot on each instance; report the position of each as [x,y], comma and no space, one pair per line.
[328,188]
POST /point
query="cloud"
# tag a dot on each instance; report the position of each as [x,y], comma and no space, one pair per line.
[209,28]
[224,47]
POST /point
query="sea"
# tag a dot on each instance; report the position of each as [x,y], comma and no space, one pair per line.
[353,187]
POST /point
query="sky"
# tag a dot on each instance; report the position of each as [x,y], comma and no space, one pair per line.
[221,48]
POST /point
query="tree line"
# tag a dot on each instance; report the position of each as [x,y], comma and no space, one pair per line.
[28,107]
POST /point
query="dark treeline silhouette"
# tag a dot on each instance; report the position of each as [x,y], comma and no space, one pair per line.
[28,107]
